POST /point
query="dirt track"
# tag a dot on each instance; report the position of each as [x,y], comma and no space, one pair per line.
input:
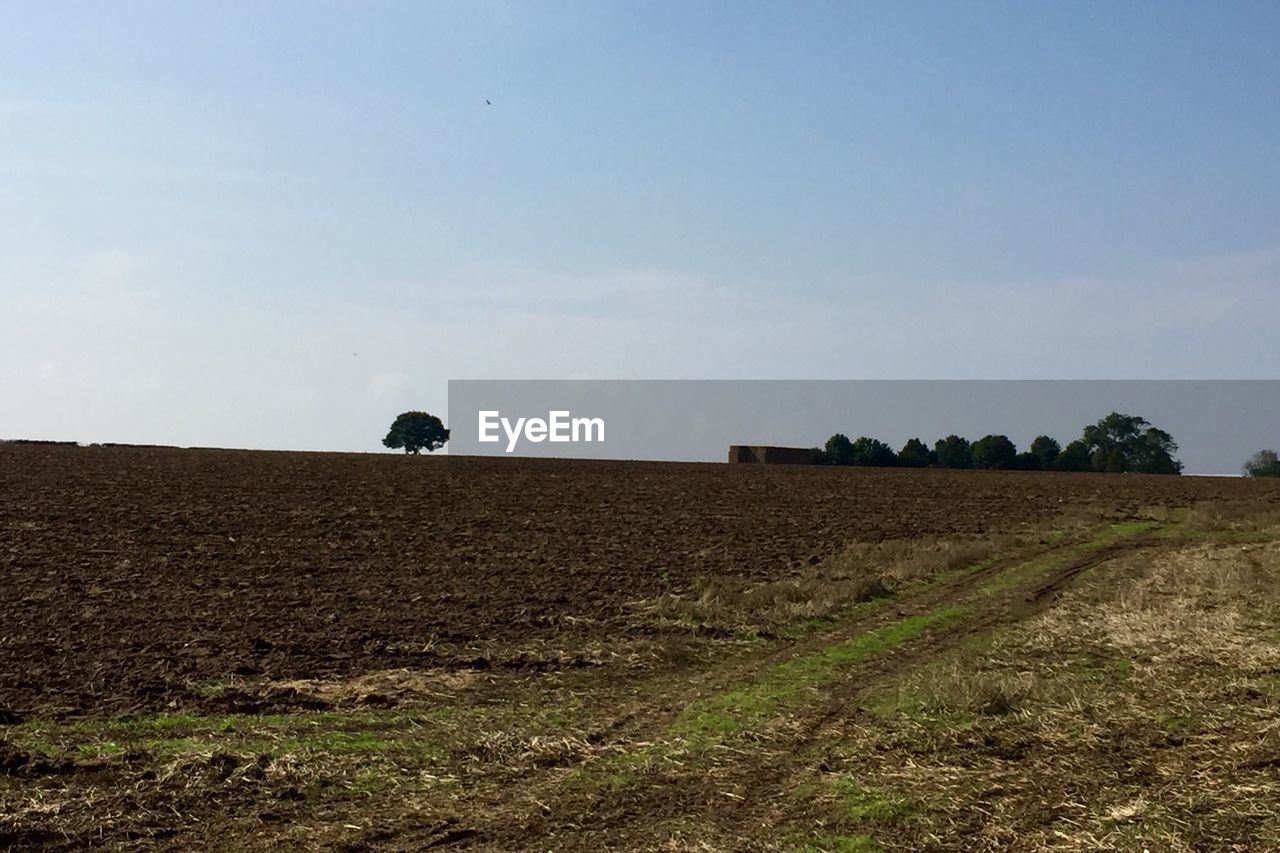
[623,818]
[129,575]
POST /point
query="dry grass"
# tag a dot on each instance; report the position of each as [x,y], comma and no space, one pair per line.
[1137,714]
[514,750]
[1234,516]
[956,688]
[863,571]
[390,687]
[731,605]
[1202,604]
[902,561]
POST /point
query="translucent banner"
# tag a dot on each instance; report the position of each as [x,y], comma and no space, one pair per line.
[1216,424]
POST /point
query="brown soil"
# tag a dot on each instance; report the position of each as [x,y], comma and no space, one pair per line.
[129,574]
[352,652]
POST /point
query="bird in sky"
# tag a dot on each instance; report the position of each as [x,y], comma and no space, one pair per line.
[489,102]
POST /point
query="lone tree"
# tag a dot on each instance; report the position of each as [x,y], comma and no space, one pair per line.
[1264,463]
[416,431]
[1127,443]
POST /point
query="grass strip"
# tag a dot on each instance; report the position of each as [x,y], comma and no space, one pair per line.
[786,685]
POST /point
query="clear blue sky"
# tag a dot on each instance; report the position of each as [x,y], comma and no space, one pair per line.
[278,224]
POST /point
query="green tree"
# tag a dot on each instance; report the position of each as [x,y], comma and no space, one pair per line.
[1074,457]
[1154,453]
[1045,450]
[872,453]
[416,431]
[915,454]
[993,451]
[838,450]
[953,452]
[1127,443]
[1264,463]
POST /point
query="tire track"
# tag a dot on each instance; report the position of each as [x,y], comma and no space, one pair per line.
[764,775]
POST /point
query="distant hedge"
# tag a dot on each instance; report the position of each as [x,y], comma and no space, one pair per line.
[42,441]
[1117,443]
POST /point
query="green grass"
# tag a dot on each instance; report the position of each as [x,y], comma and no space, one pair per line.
[811,625]
[713,720]
[1176,723]
[1015,576]
[372,782]
[786,685]
[1018,574]
[1123,529]
[1104,667]
[808,626]
[911,705]
[858,804]
[710,721]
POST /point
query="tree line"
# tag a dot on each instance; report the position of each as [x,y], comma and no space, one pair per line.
[1117,443]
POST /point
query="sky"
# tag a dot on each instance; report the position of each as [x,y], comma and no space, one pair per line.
[279,224]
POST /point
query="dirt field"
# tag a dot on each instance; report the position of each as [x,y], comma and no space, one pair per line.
[230,648]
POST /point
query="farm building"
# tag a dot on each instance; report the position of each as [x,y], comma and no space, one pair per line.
[764,455]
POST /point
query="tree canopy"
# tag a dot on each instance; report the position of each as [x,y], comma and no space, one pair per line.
[866,452]
[1117,443]
[1264,463]
[993,451]
[416,431]
[1074,457]
[873,453]
[953,452]
[915,454]
[838,450]
[1127,443]
[1045,450]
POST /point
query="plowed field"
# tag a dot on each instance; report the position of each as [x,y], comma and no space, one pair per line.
[129,574]
[205,649]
